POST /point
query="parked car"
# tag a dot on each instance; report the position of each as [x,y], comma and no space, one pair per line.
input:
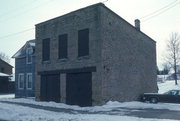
[172,96]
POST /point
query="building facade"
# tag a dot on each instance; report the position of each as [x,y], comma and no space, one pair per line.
[5,74]
[92,55]
[5,67]
[25,70]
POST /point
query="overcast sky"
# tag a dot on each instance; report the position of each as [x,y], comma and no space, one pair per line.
[18,19]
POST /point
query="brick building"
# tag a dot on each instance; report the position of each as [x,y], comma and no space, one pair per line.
[92,55]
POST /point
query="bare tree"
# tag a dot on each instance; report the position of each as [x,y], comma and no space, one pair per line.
[173,53]
[5,57]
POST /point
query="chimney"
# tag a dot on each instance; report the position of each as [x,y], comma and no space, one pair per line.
[137,24]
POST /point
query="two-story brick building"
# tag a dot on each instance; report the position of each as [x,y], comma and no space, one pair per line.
[92,55]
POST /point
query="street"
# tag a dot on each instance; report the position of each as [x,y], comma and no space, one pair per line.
[149,113]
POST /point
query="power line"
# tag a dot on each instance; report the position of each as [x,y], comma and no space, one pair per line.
[159,10]
[26,11]
[26,30]
[164,10]
[13,34]
[17,8]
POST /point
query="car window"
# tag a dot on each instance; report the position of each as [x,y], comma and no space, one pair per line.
[172,92]
[178,93]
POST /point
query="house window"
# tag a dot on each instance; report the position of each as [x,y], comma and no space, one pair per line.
[83,42]
[29,81]
[21,81]
[62,46]
[46,49]
[29,52]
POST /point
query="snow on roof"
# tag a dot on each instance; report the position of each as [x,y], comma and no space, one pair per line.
[22,51]
[4,75]
[32,44]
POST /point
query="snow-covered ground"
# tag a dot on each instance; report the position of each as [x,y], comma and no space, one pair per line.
[13,112]
[168,85]
[6,96]
[109,106]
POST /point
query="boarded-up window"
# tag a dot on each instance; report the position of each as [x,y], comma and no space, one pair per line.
[62,46]
[83,42]
[46,49]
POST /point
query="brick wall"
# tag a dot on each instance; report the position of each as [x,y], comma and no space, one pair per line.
[129,59]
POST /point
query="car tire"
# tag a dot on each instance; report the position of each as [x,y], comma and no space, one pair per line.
[153,100]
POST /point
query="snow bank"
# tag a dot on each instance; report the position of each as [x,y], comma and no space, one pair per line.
[20,113]
[168,85]
[7,96]
[109,106]
[3,74]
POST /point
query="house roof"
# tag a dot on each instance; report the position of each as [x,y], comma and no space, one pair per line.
[22,52]
[4,75]
[2,61]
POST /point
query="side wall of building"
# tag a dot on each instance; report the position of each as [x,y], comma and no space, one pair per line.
[70,24]
[4,84]
[23,68]
[5,67]
[129,59]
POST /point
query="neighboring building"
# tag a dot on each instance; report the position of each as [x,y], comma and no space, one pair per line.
[5,74]
[162,78]
[172,76]
[25,70]
[91,56]
[5,67]
[4,83]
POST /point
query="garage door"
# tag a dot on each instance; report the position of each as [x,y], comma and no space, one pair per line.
[79,89]
[50,88]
